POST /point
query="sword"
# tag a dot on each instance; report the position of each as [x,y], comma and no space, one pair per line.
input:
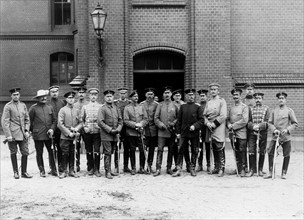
[76,139]
[54,153]
[257,151]
[211,150]
[232,140]
[118,153]
[141,133]
[275,156]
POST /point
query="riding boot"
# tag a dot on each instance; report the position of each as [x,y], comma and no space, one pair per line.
[15,165]
[90,163]
[64,163]
[142,160]
[97,164]
[252,165]
[169,158]
[193,161]
[71,162]
[270,166]
[187,160]
[24,174]
[159,159]
[116,162]
[216,162]
[261,164]
[133,162]
[285,167]
[221,155]
[207,148]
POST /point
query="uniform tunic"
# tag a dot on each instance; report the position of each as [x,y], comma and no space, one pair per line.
[283,118]
[109,118]
[238,117]
[259,116]
[121,105]
[78,106]
[166,115]
[15,120]
[216,111]
[88,117]
[134,113]
[42,117]
[67,118]
[150,108]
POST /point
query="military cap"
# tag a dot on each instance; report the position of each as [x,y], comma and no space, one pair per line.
[81,88]
[214,84]
[258,94]
[41,93]
[249,85]
[14,90]
[169,88]
[205,91]
[236,90]
[178,91]
[54,87]
[93,90]
[187,91]
[133,93]
[149,90]
[108,92]
[70,93]
[281,94]
[122,88]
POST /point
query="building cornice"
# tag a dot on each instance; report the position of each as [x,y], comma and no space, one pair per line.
[36,37]
[270,82]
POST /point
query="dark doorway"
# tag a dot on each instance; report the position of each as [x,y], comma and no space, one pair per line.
[158,69]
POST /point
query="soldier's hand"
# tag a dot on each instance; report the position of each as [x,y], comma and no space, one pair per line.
[285,131]
[71,134]
[86,130]
[50,132]
[213,125]
[209,125]
[27,135]
[192,128]
[178,136]
[9,139]
[114,131]
[256,127]
[74,129]
[163,127]
[138,125]
[230,126]
[276,132]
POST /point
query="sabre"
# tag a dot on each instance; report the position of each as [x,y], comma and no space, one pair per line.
[232,140]
[211,150]
[75,140]
[257,151]
[140,130]
[118,152]
[54,153]
[275,155]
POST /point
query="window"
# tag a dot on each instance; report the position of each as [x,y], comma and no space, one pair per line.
[62,68]
[62,12]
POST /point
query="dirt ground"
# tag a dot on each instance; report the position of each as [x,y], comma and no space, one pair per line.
[147,197]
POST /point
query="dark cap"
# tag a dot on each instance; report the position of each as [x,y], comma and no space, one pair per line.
[214,84]
[249,85]
[54,87]
[167,88]
[122,88]
[258,94]
[133,93]
[236,90]
[178,91]
[81,88]
[106,92]
[72,93]
[93,90]
[149,90]
[202,91]
[281,94]
[14,90]
[187,91]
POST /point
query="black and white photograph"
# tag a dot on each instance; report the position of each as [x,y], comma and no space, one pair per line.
[151,109]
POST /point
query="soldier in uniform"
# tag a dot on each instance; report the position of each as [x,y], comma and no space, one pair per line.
[81,93]
[57,104]
[203,101]
[165,119]
[282,122]
[110,122]
[177,99]
[91,135]
[257,126]
[150,106]
[69,125]
[189,122]
[135,119]
[43,125]
[215,115]
[237,121]
[121,103]
[16,125]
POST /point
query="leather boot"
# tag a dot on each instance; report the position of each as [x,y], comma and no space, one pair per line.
[109,167]
[108,175]
[15,165]
[24,174]
[192,172]
[221,163]
[285,167]
[270,165]
[252,165]
[177,173]
[159,160]
[141,163]
[71,160]
[64,162]
[133,159]
[221,172]
[216,162]
[97,164]
[200,161]
[157,173]
[90,163]
[261,164]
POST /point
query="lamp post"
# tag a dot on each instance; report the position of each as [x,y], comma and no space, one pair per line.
[99,17]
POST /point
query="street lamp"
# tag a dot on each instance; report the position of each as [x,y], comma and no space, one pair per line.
[99,17]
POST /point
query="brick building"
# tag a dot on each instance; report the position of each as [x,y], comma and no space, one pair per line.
[184,43]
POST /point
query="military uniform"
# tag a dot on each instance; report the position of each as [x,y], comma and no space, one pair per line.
[110,122]
[68,123]
[43,119]
[216,113]
[133,114]
[237,119]
[259,115]
[16,125]
[282,118]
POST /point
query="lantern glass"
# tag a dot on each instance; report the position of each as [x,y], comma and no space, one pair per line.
[99,19]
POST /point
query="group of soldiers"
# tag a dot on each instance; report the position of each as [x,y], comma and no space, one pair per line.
[129,125]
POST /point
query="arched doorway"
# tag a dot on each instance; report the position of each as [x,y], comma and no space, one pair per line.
[158,69]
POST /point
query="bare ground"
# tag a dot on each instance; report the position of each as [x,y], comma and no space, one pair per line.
[147,197]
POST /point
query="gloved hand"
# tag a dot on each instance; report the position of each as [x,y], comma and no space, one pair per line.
[276,132]
[114,131]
